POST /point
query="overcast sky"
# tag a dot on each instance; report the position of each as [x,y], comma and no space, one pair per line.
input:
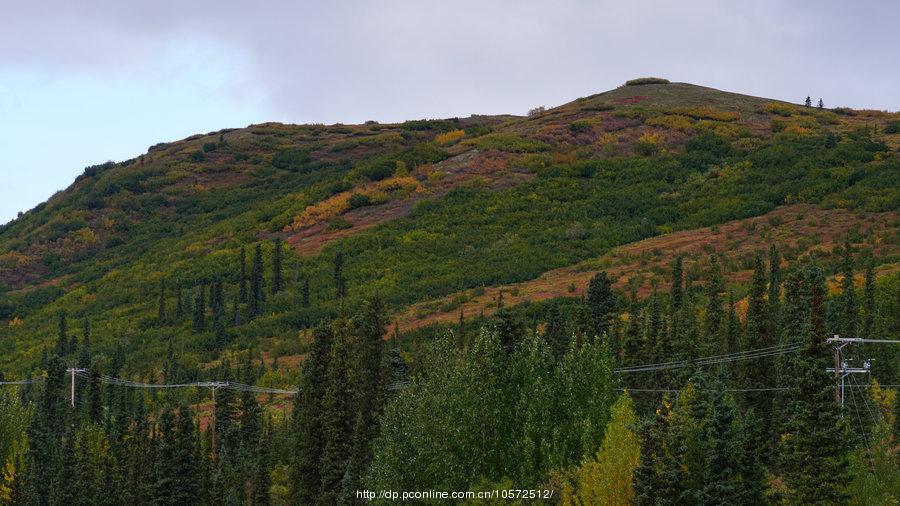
[89,81]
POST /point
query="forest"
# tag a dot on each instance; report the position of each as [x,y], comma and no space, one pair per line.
[604,399]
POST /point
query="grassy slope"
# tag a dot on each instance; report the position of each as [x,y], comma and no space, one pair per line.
[537,194]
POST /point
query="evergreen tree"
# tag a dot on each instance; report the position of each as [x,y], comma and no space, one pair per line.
[814,450]
[756,336]
[339,284]
[200,310]
[161,306]
[601,302]
[262,482]
[509,328]
[869,303]
[242,283]
[555,333]
[848,308]
[64,489]
[307,420]
[62,341]
[256,285]
[677,283]
[179,303]
[728,477]
[217,299]
[732,326]
[713,318]
[337,417]
[304,292]
[821,104]
[774,298]
[368,379]
[277,282]
[808,101]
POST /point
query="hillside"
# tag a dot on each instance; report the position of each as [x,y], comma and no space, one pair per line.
[423,210]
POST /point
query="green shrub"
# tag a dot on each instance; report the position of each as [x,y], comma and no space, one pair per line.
[359,200]
[508,142]
[210,146]
[580,126]
[196,156]
[292,160]
[646,80]
[892,128]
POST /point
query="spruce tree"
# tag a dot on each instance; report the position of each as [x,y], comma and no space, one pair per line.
[808,101]
[774,298]
[732,326]
[712,325]
[814,449]
[242,283]
[848,308]
[179,303]
[200,310]
[256,285]
[677,283]
[277,282]
[337,416]
[340,285]
[62,340]
[64,488]
[161,306]
[368,380]
[308,428]
[304,292]
[601,302]
[869,302]
[555,333]
[756,336]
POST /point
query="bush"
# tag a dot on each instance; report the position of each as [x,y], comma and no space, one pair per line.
[646,80]
[419,125]
[580,126]
[780,109]
[537,110]
[359,200]
[511,143]
[449,137]
[210,146]
[196,156]
[647,145]
[292,160]
[892,128]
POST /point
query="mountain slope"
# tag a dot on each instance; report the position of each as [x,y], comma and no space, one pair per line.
[419,210]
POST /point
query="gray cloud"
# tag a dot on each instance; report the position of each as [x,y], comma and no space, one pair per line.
[389,60]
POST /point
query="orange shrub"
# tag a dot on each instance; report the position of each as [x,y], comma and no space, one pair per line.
[449,137]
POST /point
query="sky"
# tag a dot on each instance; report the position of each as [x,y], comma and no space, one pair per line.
[90,81]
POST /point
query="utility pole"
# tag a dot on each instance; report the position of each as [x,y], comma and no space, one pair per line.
[72,371]
[842,368]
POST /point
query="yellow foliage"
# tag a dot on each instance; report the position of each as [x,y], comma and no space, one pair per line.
[13,260]
[378,192]
[676,121]
[705,113]
[107,223]
[15,322]
[740,308]
[781,109]
[609,477]
[449,137]
[6,482]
